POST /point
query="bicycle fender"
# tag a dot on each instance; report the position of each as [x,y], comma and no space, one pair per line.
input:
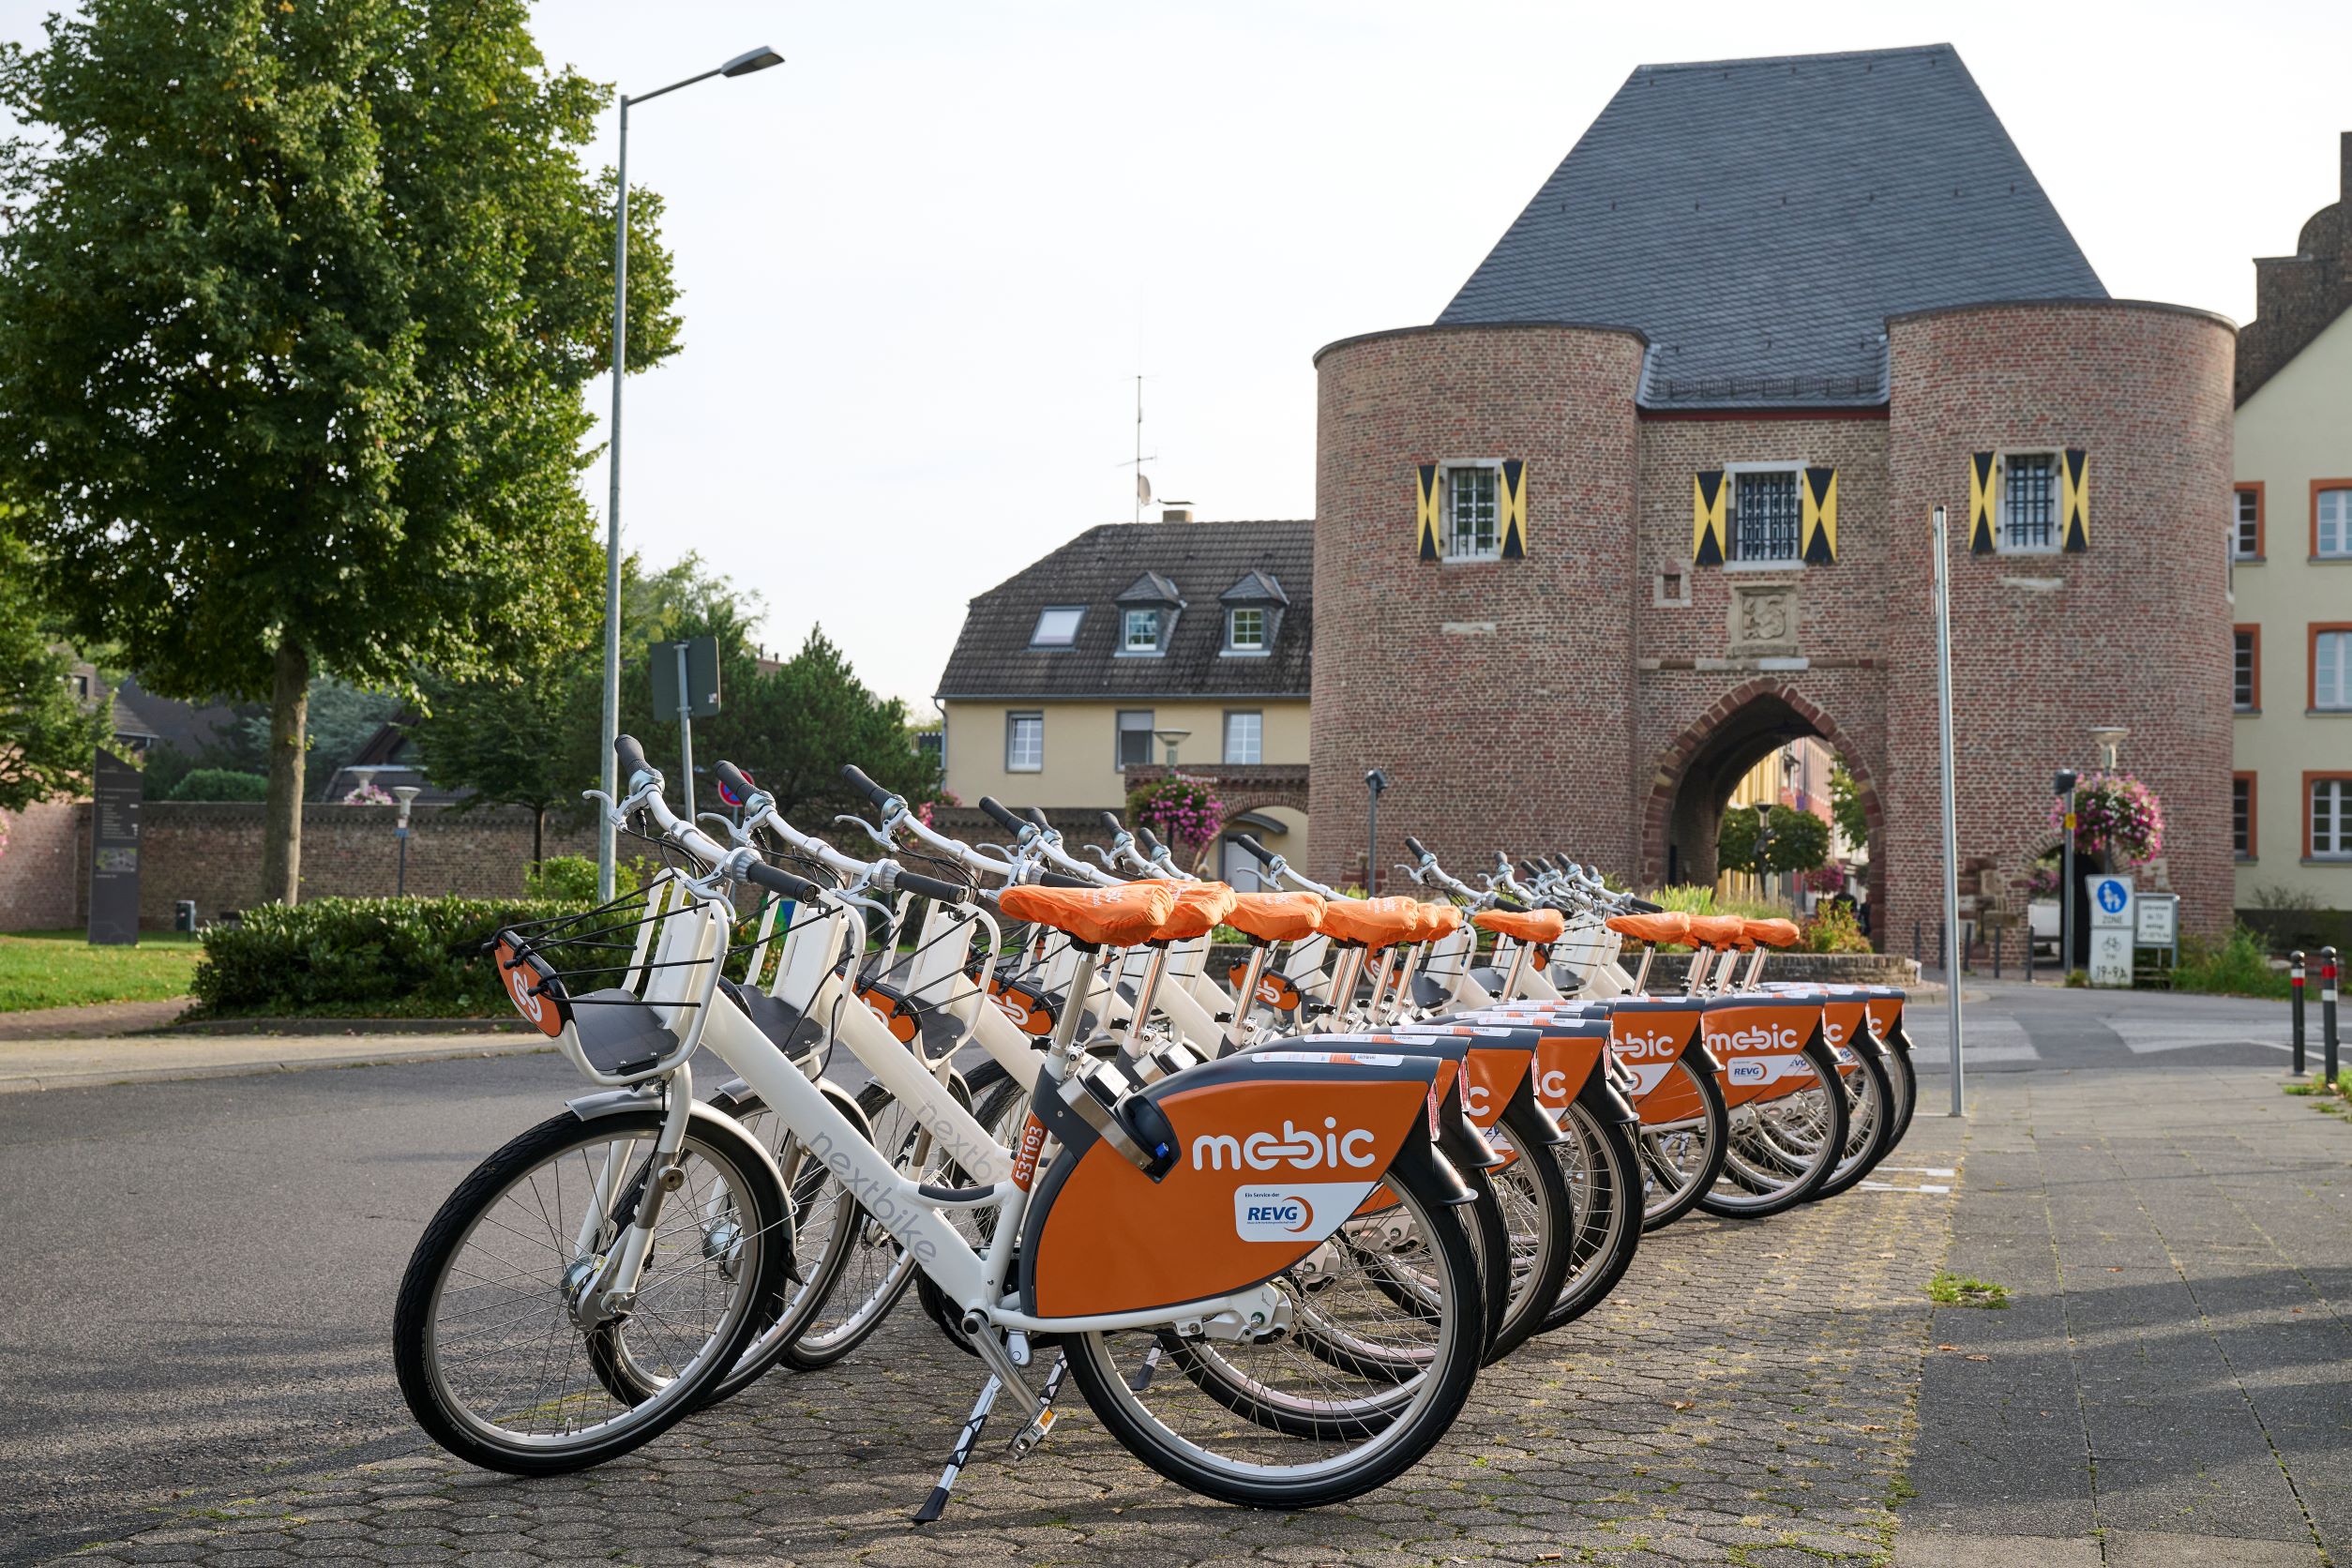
[1275,1150]
[722,1128]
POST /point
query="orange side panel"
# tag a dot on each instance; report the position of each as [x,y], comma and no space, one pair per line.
[1493,1077]
[1244,1181]
[1563,1063]
[1753,1042]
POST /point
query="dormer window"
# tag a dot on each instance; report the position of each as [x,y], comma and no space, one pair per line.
[1147,616]
[1253,613]
[1057,626]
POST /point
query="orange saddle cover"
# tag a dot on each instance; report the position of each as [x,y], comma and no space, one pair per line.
[1718,930]
[1276,916]
[1200,907]
[1661,929]
[1371,921]
[1771,933]
[1120,916]
[1530,926]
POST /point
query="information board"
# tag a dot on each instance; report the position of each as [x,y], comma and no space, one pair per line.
[2111,931]
[2156,919]
[116,789]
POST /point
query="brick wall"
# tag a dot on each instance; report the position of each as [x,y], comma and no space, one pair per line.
[41,868]
[212,852]
[2133,633]
[1497,697]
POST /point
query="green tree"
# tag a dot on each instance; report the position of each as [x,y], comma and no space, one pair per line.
[297,305]
[1794,840]
[49,738]
[1846,806]
[806,718]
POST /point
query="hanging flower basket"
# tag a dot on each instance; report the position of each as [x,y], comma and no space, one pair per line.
[2115,816]
[1184,811]
[367,795]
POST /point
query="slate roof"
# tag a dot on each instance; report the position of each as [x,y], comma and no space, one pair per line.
[1758,221]
[1199,560]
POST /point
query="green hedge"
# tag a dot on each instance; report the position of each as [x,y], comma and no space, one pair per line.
[383,957]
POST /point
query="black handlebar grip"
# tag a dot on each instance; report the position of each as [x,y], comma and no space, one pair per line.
[1112,824]
[629,759]
[930,887]
[776,879]
[1510,904]
[1643,906]
[1414,845]
[864,786]
[1249,842]
[1034,815]
[1149,839]
[1527,870]
[734,780]
[1004,819]
[1055,879]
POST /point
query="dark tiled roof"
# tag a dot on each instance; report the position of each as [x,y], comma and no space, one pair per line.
[1759,219]
[1199,562]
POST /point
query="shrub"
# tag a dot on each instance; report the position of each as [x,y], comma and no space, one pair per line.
[415,957]
[573,878]
[1834,929]
[220,784]
[2238,965]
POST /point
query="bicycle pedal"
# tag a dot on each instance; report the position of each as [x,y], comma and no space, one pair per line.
[1034,1433]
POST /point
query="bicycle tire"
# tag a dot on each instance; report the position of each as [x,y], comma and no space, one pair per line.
[420,1347]
[1870,1118]
[1686,1193]
[1754,1197]
[1608,1231]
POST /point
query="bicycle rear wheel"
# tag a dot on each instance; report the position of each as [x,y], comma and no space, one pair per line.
[492,1357]
[1781,1150]
[1323,1434]
[1869,1122]
[1681,1157]
[1603,1177]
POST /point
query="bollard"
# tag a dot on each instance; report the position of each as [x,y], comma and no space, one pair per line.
[1997,952]
[2029,950]
[2295,1005]
[2327,1012]
[1915,952]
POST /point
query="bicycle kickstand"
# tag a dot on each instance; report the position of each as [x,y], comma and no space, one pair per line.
[936,1504]
[1042,1423]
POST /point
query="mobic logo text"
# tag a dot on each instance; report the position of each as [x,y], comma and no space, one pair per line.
[1756,1037]
[1301,1149]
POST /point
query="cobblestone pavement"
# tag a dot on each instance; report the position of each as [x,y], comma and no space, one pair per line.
[1745,1397]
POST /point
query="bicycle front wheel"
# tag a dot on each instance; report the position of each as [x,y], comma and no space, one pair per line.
[495,1357]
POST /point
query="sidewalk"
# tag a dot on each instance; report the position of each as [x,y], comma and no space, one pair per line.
[71,1059]
[2169,1386]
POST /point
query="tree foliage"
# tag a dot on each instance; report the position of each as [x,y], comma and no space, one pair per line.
[1846,806]
[1794,840]
[295,311]
[49,738]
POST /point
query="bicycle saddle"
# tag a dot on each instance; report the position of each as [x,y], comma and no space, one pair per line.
[1661,929]
[1122,916]
[1773,933]
[1373,923]
[1537,926]
[1276,916]
[1718,930]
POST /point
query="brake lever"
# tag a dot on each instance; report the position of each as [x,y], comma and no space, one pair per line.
[736,831]
[867,828]
[1096,850]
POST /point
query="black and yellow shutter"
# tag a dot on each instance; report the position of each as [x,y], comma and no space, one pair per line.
[1429,524]
[1514,509]
[2074,501]
[1817,517]
[1983,499]
[1707,509]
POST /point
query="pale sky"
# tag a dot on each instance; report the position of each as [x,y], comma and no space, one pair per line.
[924,260]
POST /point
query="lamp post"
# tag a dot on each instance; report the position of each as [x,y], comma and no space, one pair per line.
[1374,782]
[1170,739]
[2063,784]
[742,65]
[406,794]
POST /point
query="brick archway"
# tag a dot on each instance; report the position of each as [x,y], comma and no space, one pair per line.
[1672,769]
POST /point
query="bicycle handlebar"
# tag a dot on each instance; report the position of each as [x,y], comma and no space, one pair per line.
[1249,842]
[866,787]
[734,780]
[1416,845]
[629,759]
[1112,824]
[776,879]
[1003,818]
[1034,815]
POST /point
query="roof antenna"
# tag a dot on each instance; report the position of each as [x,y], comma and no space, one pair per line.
[1142,482]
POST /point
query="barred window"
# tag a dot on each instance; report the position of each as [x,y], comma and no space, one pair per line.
[2242,689]
[2029,501]
[2246,526]
[1470,515]
[1764,516]
[2241,816]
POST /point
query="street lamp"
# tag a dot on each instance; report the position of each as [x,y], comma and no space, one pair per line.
[406,794]
[742,65]
[1170,739]
[2108,738]
[1374,782]
[2063,784]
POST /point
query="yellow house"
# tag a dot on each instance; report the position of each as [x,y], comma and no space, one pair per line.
[1133,646]
[2290,543]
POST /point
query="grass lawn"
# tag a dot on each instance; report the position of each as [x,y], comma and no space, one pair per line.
[60,969]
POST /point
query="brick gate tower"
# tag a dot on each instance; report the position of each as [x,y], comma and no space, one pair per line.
[1651,498]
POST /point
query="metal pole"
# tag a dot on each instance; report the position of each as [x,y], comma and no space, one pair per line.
[685,728]
[399,889]
[2295,1005]
[605,845]
[1372,849]
[2066,896]
[2328,1014]
[1951,815]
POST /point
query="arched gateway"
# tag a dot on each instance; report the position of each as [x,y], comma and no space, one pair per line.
[1625,515]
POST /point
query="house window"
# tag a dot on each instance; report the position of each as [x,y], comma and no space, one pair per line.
[2332,522]
[82,688]
[2241,815]
[1057,626]
[1135,737]
[1244,736]
[1470,515]
[1142,634]
[1238,869]
[1764,515]
[2029,501]
[2331,668]
[2331,818]
[1024,743]
[1246,629]
[2245,524]
[2245,676]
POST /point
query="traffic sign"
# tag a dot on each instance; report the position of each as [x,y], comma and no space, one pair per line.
[2111,931]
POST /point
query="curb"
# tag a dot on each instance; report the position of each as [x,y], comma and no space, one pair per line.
[111,1076]
[314,1027]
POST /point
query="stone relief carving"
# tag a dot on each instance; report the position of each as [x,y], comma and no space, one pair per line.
[1764,618]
